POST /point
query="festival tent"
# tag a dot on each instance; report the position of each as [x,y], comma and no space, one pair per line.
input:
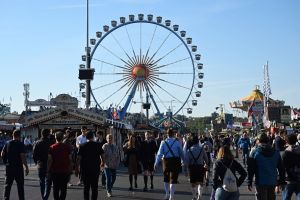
[255,95]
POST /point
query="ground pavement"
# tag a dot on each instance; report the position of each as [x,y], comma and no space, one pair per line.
[120,190]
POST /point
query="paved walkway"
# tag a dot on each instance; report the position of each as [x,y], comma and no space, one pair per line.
[120,191]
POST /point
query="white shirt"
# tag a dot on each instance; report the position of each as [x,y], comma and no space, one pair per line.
[27,141]
[81,139]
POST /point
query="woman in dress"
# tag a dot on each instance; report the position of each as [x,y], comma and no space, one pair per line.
[131,149]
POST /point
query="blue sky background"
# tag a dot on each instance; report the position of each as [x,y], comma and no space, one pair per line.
[41,43]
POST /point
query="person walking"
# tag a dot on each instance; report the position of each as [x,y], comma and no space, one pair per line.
[226,162]
[89,160]
[291,163]
[132,151]
[100,138]
[245,146]
[279,142]
[40,157]
[265,164]
[148,149]
[111,161]
[170,151]
[59,166]
[70,140]
[81,139]
[208,148]
[13,156]
[195,160]
[236,139]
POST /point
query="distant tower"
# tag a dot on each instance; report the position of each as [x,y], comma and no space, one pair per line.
[26,95]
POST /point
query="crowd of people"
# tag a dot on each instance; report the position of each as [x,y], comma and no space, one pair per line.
[270,162]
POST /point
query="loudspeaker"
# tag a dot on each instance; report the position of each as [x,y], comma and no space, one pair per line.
[146,106]
[86,74]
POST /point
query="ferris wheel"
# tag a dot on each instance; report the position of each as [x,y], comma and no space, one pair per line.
[145,62]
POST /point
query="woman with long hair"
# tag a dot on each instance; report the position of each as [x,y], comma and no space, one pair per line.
[225,160]
[131,149]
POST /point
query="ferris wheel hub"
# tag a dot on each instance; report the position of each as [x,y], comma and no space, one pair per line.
[140,71]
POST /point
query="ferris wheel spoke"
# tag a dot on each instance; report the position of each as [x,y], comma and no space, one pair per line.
[118,66]
[151,81]
[167,54]
[151,41]
[117,73]
[129,38]
[130,85]
[161,101]
[172,63]
[127,74]
[184,87]
[117,41]
[152,98]
[109,84]
[168,93]
[161,45]
[115,92]
[112,53]
[161,73]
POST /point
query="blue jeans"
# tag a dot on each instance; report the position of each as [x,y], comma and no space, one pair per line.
[110,175]
[45,183]
[245,155]
[289,189]
[103,178]
[221,194]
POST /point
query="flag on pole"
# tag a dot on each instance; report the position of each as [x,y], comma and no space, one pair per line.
[250,109]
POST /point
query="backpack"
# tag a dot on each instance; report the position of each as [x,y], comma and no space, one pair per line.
[229,180]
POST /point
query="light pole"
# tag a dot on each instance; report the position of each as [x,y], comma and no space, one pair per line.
[88,59]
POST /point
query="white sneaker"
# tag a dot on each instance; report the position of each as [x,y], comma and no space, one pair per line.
[109,194]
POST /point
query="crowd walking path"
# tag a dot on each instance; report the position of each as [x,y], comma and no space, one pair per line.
[120,190]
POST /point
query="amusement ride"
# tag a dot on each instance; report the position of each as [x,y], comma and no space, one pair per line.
[143,61]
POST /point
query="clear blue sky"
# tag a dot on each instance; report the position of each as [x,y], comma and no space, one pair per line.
[41,43]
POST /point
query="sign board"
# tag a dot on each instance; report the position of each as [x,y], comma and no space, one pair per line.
[246,124]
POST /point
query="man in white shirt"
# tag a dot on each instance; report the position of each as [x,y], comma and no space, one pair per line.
[81,139]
